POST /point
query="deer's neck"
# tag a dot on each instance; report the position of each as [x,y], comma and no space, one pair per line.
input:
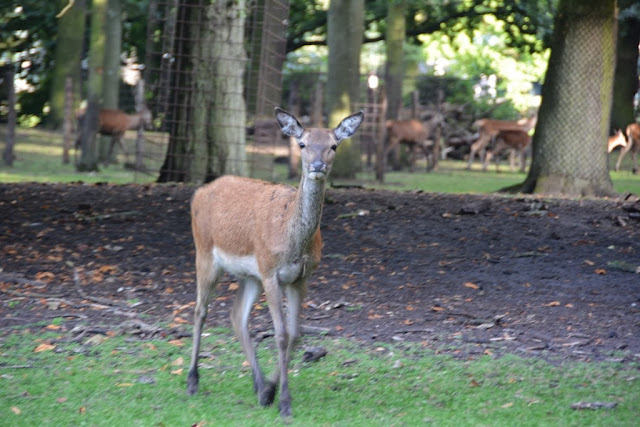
[307,212]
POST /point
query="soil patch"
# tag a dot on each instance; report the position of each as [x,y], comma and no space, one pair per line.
[466,274]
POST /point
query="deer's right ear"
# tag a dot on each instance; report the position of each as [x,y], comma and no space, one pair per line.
[290,125]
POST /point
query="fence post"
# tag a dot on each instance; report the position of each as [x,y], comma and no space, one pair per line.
[140,106]
[11,125]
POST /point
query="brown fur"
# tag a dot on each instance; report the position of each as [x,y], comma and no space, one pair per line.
[633,145]
[412,133]
[617,139]
[489,129]
[268,236]
[517,140]
[115,123]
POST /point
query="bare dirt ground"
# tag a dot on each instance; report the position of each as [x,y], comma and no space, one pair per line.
[463,274]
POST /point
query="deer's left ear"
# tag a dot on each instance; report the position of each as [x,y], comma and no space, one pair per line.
[290,125]
[349,126]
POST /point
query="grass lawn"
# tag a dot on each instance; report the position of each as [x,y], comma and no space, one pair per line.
[120,381]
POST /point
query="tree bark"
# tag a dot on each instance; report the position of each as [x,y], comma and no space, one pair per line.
[344,35]
[89,157]
[111,83]
[569,146]
[394,69]
[68,52]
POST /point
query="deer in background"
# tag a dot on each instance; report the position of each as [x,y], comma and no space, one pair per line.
[517,140]
[633,145]
[115,123]
[267,236]
[414,134]
[490,128]
[615,140]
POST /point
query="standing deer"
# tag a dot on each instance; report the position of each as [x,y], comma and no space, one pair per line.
[115,123]
[615,140]
[489,129]
[268,237]
[414,134]
[518,140]
[633,145]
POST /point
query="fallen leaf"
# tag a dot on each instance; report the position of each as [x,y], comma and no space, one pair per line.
[474,383]
[471,285]
[589,262]
[177,343]
[507,405]
[600,271]
[553,304]
[178,362]
[177,372]
[61,399]
[45,276]
[339,328]
[410,308]
[16,410]
[180,320]
[124,384]
[233,286]
[44,347]
[408,322]
[437,308]
[53,327]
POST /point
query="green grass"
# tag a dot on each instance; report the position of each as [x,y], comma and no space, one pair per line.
[127,382]
[39,159]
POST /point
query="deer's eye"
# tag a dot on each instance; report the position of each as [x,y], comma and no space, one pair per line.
[334,147]
[302,145]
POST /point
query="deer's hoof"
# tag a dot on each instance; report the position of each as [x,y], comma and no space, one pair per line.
[267,394]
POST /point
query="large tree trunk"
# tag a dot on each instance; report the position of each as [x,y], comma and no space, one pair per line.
[89,157]
[111,82]
[345,28]
[625,83]
[67,59]
[569,146]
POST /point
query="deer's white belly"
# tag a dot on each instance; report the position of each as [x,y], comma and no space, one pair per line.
[239,266]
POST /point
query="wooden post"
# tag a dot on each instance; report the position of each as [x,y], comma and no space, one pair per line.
[140,106]
[67,124]
[11,124]
[294,150]
[437,132]
[382,136]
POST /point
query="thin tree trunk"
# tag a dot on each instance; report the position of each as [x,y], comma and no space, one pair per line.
[111,77]
[394,70]
[8,155]
[345,28]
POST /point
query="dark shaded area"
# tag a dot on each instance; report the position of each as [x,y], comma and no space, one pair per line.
[467,274]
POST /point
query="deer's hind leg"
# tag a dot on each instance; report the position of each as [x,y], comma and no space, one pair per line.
[207,276]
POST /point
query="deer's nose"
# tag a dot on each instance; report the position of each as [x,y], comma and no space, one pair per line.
[318,166]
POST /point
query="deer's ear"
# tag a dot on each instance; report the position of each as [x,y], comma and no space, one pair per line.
[290,125]
[348,126]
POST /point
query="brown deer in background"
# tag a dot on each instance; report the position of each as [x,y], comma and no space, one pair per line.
[414,134]
[517,140]
[489,129]
[633,145]
[268,237]
[615,140]
[115,123]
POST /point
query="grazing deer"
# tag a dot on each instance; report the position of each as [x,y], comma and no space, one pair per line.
[489,129]
[617,139]
[414,134]
[268,237]
[633,145]
[115,123]
[518,140]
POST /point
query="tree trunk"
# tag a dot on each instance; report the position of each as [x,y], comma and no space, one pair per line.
[111,82]
[625,83]
[89,157]
[345,29]
[68,51]
[569,146]
[394,70]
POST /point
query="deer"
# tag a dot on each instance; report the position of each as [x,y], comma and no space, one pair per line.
[633,145]
[268,237]
[414,134]
[489,129]
[115,123]
[617,139]
[518,140]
